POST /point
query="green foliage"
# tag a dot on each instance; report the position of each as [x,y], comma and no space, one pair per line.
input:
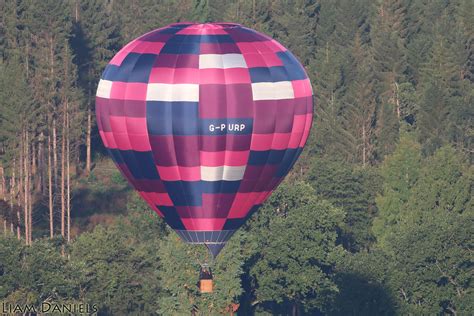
[352,190]
[428,230]
[180,272]
[300,237]
[32,275]
[400,172]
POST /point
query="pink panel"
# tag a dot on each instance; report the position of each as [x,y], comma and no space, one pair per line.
[276,141]
[295,139]
[262,60]
[211,76]
[148,47]
[220,158]
[162,199]
[118,124]
[178,173]
[136,125]
[299,123]
[123,141]
[302,88]
[205,30]
[224,76]
[128,90]
[174,75]
[203,224]
[243,202]
[139,142]
[260,47]
[110,139]
[219,48]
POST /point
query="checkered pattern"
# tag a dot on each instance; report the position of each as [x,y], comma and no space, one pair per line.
[204,120]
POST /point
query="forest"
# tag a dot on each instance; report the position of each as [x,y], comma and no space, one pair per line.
[376,217]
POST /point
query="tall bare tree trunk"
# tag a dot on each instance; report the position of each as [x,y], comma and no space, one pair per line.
[27,61]
[68,176]
[55,155]
[50,190]
[364,149]
[20,177]
[2,192]
[63,177]
[30,198]
[397,99]
[25,187]
[12,198]
[12,188]
[76,11]
[41,178]
[88,141]
[33,159]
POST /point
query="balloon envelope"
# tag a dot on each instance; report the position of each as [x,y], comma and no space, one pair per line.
[204,120]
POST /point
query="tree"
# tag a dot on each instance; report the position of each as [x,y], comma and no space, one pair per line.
[299,237]
[95,40]
[430,246]
[400,172]
[351,189]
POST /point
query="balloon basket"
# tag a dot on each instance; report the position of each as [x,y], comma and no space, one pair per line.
[205,286]
[205,279]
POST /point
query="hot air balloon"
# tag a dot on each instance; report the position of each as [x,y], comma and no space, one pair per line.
[204,120]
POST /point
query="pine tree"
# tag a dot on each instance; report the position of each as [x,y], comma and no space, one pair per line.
[400,172]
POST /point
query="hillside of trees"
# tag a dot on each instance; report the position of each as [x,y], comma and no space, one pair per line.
[376,218]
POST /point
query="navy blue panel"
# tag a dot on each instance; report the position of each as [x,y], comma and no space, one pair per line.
[266,156]
[180,48]
[293,67]
[220,186]
[134,68]
[234,223]
[168,118]
[234,126]
[288,161]
[270,74]
[181,38]
[182,44]
[184,193]
[140,164]
[216,39]
[142,68]
[171,217]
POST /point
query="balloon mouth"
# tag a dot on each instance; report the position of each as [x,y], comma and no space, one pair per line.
[215,248]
